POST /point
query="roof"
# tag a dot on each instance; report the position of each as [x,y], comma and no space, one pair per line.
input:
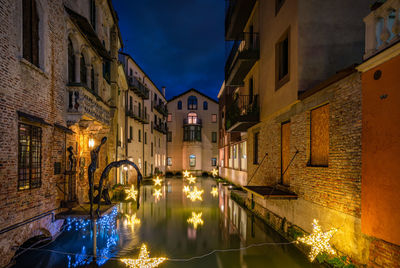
[194,90]
[87,30]
[129,56]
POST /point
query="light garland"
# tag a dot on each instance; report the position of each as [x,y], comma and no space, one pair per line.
[191,179]
[196,219]
[186,189]
[214,192]
[143,261]
[186,174]
[318,240]
[132,193]
[214,172]
[195,194]
[157,181]
[157,193]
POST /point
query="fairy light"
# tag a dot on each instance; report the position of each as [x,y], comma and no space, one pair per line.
[157,181]
[195,194]
[214,172]
[191,179]
[186,174]
[186,189]
[196,219]
[214,192]
[132,193]
[157,193]
[144,261]
[318,240]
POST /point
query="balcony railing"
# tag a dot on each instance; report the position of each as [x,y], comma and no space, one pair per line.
[138,87]
[138,115]
[192,121]
[162,128]
[236,17]
[161,108]
[83,102]
[382,27]
[243,56]
[242,113]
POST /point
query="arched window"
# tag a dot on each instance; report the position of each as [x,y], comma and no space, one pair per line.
[30,32]
[205,105]
[92,84]
[192,103]
[71,62]
[192,118]
[179,105]
[83,70]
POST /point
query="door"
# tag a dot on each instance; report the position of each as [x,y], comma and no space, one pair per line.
[285,153]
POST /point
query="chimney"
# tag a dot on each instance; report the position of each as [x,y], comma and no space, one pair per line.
[163,91]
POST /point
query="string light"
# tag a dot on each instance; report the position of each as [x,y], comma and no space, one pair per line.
[318,240]
[186,189]
[157,181]
[157,193]
[196,219]
[186,174]
[214,172]
[191,179]
[144,261]
[195,194]
[214,191]
[132,193]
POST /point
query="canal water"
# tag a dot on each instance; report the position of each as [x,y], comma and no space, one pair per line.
[165,229]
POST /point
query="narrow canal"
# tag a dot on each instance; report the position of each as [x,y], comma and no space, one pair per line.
[165,229]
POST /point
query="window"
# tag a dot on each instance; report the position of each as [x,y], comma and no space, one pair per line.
[214,118]
[151,149]
[169,161]
[71,62]
[214,137]
[192,133]
[92,84]
[159,144]
[169,136]
[29,156]
[192,160]
[130,72]
[319,136]
[130,133]
[107,71]
[30,32]
[205,105]
[130,103]
[179,105]
[278,5]
[145,138]
[282,60]
[140,135]
[192,118]
[169,118]
[251,90]
[255,149]
[213,162]
[192,103]
[93,13]
[83,70]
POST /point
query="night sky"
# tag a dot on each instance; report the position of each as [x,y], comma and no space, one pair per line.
[178,43]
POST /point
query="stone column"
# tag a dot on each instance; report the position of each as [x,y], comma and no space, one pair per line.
[89,76]
[78,67]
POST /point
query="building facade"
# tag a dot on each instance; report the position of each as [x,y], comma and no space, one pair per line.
[192,133]
[142,128]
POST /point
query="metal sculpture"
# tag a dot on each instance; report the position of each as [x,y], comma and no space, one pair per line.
[104,176]
[94,154]
[71,175]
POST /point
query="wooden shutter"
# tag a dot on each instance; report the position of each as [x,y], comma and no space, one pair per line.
[320,136]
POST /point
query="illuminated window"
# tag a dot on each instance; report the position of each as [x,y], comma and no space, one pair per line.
[192,103]
[179,105]
[169,161]
[319,136]
[192,118]
[213,162]
[213,118]
[192,160]
[169,118]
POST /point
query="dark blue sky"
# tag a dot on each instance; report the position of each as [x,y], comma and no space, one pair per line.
[178,43]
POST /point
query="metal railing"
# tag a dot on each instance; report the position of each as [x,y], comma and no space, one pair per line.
[138,87]
[192,121]
[243,108]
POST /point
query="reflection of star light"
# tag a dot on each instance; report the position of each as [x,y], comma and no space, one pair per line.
[195,219]
[318,240]
[157,181]
[214,191]
[195,194]
[143,260]
[191,179]
[132,193]
[132,221]
[186,189]
[186,174]
[157,193]
[214,172]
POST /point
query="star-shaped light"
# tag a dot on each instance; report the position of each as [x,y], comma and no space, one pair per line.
[132,193]
[318,240]
[196,219]
[214,172]
[144,261]
[132,221]
[186,189]
[157,181]
[157,193]
[195,194]
[214,191]
[191,179]
[186,174]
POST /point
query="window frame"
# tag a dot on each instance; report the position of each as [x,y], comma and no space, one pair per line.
[279,82]
[192,103]
[205,105]
[192,156]
[179,105]
[31,32]
[169,117]
[212,118]
[169,161]
[213,161]
[214,137]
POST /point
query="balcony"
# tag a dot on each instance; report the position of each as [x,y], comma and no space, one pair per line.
[138,87]
[138,115]
[162,128]
[85,104]
[243,113]
[236,17]
[161,108]
[192,121]
[243,56]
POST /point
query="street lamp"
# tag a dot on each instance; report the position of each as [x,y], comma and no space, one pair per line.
[91,142]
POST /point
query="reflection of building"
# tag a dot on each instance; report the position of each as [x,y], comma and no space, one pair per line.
[192,132]
[142,129]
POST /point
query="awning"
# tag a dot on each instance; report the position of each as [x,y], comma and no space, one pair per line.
[270,192]
[32,118]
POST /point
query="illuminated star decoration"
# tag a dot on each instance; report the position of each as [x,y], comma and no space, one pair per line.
[214,191]
[318,240]
[191,179]
[196,219]
[132,221]
[132,193]
[157,181]
[186,189]
[143,260]
[195,194]
[157,193]
[214,172]
[186,174]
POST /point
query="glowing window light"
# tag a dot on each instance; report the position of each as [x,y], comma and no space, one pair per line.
[157,193]
[318,240]
[157,181]
[196,219]
[214,172]
[191,179]
[186,174]
[143,260]
[195,194]
[132,193]
[214,191]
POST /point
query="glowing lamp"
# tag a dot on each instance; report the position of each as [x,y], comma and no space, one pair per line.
[157,181]
[186,174]
[214,172]
[196,219]
[91,143]
[214,191]
[195,194]
[191,179]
